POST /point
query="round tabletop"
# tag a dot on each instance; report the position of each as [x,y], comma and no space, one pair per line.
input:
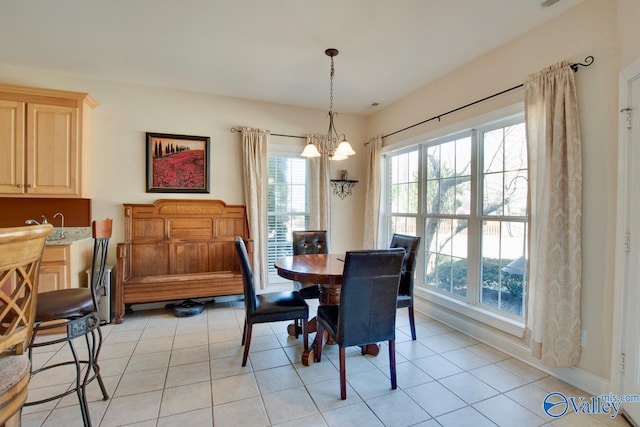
[324,269]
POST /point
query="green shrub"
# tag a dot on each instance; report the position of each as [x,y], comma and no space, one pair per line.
[452,276]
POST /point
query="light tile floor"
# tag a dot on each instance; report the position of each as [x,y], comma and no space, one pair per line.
[161,370]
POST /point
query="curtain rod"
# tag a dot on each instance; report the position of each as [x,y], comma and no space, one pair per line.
[274,134]
[574,66]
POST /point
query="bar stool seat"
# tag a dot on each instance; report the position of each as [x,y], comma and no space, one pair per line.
[64,303]
[14,385]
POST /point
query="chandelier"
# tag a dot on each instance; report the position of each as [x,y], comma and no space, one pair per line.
[337,147]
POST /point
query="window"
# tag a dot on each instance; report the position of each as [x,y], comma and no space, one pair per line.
[504,218]
[466,196]
[404,192]
[287,205]
[447,212]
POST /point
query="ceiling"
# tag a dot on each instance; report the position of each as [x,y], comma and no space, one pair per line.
[266,50]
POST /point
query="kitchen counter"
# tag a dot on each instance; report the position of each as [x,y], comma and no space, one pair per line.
[71,235]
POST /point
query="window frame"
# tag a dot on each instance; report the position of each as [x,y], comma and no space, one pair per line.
[468,306]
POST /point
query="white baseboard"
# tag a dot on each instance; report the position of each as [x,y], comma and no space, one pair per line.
[511,345]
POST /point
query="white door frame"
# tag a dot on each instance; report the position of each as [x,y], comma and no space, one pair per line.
[622,224]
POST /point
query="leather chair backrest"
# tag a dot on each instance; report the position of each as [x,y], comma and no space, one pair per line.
[310,242]
[250,301]
[410,245]
[367,312]
[20,255]
[101,230]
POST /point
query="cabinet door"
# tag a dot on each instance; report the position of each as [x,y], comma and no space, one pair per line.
[52,277]
[12,147]
[52,150]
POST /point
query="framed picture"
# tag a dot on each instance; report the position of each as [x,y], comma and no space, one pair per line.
[177,163]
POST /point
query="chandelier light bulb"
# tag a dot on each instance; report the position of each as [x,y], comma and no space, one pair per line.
[310,150]
[345,149]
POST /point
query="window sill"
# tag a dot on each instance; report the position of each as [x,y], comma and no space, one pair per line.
[494,320]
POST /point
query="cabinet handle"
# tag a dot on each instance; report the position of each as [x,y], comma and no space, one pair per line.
[19,185]
[29,186]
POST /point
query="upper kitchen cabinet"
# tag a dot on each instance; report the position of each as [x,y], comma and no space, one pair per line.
[45,142]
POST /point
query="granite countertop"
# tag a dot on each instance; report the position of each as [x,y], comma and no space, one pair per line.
[68,235]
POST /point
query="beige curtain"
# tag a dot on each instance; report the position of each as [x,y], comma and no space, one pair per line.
[373,181]
[319,191]
[555,181]
[256,173]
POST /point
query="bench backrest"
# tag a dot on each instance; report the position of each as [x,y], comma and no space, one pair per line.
[183,236]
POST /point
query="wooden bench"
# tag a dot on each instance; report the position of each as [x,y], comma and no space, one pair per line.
[178,249]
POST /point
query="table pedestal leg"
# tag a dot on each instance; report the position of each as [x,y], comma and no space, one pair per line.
[294,330]
[308,356]
[370,349]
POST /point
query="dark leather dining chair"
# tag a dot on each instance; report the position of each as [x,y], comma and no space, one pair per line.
[405,291]
[309,242]
[76,310]
[367,310]
[20,256]
[267,307]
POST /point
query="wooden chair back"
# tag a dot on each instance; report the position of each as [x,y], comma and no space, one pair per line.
[20,254]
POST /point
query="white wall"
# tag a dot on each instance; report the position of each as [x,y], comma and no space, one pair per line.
[588,29]
[629,36]
[127,112]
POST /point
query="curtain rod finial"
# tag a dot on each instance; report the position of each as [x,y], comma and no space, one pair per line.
[587,62]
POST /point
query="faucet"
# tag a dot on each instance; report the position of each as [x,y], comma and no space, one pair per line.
[44,221]
[62,233]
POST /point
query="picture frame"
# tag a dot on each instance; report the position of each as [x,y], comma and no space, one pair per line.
[177,163]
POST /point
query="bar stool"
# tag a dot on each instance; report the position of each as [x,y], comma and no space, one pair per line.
[77,311]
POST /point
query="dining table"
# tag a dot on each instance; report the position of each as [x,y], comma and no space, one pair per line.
[325,270]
